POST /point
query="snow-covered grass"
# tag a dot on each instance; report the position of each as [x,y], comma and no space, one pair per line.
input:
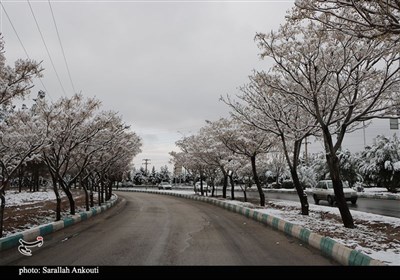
[375,190]
[15,198]
[380,191]
[367,193]
[280,190]
[375,235]
[29,209]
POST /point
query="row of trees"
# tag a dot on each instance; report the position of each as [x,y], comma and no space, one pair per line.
[72,138]
[143,177]
[377,165]
[335,64]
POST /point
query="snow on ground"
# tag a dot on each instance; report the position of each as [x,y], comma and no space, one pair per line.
[374,235]
[374,190]
[380,191]
[15,198]
[370,236]
[280,190]
[367,192]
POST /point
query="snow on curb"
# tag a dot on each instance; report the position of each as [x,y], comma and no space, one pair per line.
[329,247]
[31,234]
[362,195]
[379,196]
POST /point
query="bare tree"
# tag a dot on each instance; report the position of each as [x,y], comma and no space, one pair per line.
[247,141]
[214,152]
[339,79]
[193,158]
[15,82]
[276,113]
[67,121]
[378,19]
[21,137]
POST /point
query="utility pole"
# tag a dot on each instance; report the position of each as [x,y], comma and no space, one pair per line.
[146,162]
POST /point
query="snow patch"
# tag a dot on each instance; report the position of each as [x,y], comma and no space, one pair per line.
[15,198]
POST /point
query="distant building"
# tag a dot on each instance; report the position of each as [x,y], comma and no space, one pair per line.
[357,140]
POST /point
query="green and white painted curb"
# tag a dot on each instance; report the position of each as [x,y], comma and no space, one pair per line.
[309,192]
[329,247]
[31,234]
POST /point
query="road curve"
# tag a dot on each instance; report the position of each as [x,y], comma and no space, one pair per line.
[149,229]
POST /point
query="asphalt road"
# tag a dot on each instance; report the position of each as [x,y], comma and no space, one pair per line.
[149,229]
[376,206]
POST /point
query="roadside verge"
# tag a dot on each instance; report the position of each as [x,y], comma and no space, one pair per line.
[31,234]
[387,196]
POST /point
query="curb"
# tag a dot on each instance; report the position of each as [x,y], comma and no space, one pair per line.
[31,234]
[360,195]
[379,196]
[329,247]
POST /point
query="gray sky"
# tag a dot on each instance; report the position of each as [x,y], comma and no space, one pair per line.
[162,65]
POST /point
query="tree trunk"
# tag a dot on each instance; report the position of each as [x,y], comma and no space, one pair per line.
[225,186]
[91,198]
[232,187]
[295,177]
[257,180]
[36,185]
[300,192]
[20,178]
[84,186]
[31,184]
[71,200]
[99,195]
[109,193]
[334,170]
[201,183]
[102,191]
[105,192]
[244,192]
[91,186]
[58,199]
[2,206]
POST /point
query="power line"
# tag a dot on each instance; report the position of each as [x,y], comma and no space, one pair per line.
[15,31]
[20,41]
[47,49]
[62,49]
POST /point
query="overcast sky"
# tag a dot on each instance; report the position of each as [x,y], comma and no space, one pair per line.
[162,64]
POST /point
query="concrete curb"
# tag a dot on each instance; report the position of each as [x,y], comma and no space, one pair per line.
[361,195]
[329,247]
[379,196]
[31,234]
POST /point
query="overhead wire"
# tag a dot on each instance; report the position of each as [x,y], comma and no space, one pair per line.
[21,43]
[47,49]
[62,48]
